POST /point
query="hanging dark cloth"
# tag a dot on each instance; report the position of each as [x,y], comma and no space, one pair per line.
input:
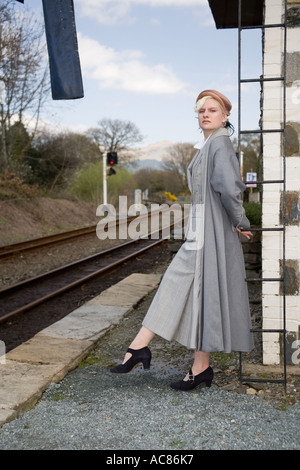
[65,72]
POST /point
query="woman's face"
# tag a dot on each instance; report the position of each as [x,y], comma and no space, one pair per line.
[211,117]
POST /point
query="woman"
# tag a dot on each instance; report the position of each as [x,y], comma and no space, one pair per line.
[202,301]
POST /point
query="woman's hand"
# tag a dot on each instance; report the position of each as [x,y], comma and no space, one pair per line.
[245,234]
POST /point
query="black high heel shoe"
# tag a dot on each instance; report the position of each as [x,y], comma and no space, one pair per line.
[142,355]
[194,380]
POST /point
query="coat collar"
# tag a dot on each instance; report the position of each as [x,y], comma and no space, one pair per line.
[217,133]
[201,147]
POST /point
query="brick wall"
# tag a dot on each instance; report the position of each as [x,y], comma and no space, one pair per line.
[272,242]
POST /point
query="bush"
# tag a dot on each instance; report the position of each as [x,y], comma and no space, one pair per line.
[88,184]
[12,187]
[253,212]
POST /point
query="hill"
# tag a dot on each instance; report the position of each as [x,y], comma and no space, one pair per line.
[24,219]
[150,156]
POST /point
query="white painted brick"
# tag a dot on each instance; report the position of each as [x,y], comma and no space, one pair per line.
[270,125]
[272,243]
[293,114]
[270,308]
[270,220]
[293,173]
[292,321]
[273,63]
[272,339]
[292,184]
[273,44]
[293,40]
[272,70]
[269,358]
[293,100]
[269,4]
[270,265]
[271,151]
[271,239]
[273,11]
[272,158]
[293,97]
[270,208]
[273,118]
[271,196]
[273,173]
[272,312]
[271,324]
[271,139]
[292,325]
[269,288]
[293,304]
[273,90]
[292,250]
[273,301]
[273,274]
[271,343]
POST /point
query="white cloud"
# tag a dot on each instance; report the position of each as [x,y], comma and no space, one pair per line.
[112,11]
[126,70]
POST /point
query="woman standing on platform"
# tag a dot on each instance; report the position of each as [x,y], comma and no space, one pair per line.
[202,301]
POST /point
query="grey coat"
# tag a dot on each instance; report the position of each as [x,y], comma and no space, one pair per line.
[202,301]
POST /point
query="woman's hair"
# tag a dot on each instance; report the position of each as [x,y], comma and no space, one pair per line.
[201,102]
[229,127]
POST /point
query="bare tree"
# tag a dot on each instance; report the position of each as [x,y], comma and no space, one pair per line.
[24,79]
[114,135]
[178,160]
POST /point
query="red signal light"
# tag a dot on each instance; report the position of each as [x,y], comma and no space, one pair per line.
[112,158]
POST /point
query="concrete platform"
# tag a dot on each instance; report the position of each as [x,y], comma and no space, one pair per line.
[28,370]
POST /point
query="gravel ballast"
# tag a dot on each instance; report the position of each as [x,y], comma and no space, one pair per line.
[93,410]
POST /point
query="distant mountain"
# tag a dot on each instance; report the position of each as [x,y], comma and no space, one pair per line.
[150,156]
[141,164]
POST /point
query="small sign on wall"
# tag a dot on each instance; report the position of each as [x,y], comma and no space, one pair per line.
[251,177]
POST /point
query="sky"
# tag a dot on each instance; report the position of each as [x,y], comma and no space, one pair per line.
[146,61]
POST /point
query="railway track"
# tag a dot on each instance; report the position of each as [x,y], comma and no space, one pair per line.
[36,243]
[32,292]
[8,251]
[25,295]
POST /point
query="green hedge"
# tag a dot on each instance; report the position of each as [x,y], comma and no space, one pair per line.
[253,212]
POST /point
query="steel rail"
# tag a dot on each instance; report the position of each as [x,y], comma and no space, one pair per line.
[72,284]
[150,243]
[48,240]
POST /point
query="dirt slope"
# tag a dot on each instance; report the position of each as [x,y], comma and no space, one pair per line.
[22,219]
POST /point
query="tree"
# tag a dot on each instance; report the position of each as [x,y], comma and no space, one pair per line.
[54,158]
[114,135]
[158,182]
[24,80]
[178,160]
[250,145]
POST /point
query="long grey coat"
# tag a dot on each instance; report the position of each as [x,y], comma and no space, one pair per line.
[202,301]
